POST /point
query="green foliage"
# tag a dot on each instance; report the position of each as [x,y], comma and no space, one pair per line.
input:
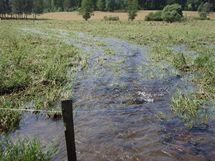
[38,6]
[189,108]
[27,6]
[111,18]
[154,16]
[31,69]
[100,5]
[110,5]
[205,64]
[172,13]
[67,4]
[204,9]
[173,7]
[86,9]
[132,9]
[192,5]
[9,120]
[17,6]
[24,150]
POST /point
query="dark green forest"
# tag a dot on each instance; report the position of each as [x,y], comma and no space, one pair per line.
[20,7]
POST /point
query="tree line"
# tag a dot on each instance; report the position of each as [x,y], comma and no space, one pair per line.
[21,8]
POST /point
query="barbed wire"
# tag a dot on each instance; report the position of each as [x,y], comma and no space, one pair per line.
[75,110]
[30,110]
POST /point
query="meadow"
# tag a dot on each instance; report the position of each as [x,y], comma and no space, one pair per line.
[98,15]
[37,72]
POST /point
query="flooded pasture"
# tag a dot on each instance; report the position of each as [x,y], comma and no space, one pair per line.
[122,107]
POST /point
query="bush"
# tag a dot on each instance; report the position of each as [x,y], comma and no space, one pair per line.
[132,9]
[111,18]
[203,10]
[154,16]
[171,16]
[172,13]
[86,9]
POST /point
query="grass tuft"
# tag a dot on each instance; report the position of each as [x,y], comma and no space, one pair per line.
[25,150]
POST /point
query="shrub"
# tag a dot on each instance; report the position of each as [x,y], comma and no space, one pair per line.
[203,10]
[154,16]
[100,4]
[111,18]
[172,13]
[171,16]
[86,9]
[132,9]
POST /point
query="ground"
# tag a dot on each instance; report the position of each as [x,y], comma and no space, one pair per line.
[100,15]
[159,76]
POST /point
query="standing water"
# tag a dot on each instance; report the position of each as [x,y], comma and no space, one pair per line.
[122,108]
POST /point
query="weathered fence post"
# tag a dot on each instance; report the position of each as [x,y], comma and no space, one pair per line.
[67,111]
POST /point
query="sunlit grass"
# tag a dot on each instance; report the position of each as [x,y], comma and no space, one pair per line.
[32,69]
[43,79]
[25,150]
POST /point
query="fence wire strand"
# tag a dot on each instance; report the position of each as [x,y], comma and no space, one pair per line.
[75,110]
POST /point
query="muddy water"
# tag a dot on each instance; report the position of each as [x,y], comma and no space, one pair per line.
[122,108]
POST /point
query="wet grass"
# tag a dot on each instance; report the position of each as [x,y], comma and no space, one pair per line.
[25,150]
[196,35]
[189,108]
[33,73]
[44,77]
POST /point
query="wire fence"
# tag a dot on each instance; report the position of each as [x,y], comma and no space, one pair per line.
[76,110]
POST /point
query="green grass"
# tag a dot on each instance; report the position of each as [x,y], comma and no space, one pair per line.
[33,67]
[25,150]
[159,36]
[189,108]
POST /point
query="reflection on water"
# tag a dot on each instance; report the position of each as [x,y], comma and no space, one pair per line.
[119,113]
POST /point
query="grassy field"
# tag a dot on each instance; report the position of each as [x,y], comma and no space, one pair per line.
[100,15]
[33,68]
[25,150]
[39,75]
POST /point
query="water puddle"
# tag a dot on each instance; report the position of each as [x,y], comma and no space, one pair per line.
[122,108]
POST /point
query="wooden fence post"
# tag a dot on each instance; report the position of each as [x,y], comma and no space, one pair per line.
[67,111]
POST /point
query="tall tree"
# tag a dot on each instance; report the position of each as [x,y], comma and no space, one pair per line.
[86,9]
[132,9]
[100,5]
[67,4]
[1,6]
[27,7]
[58,5]
[110,5]
[17,6]
[37,7]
